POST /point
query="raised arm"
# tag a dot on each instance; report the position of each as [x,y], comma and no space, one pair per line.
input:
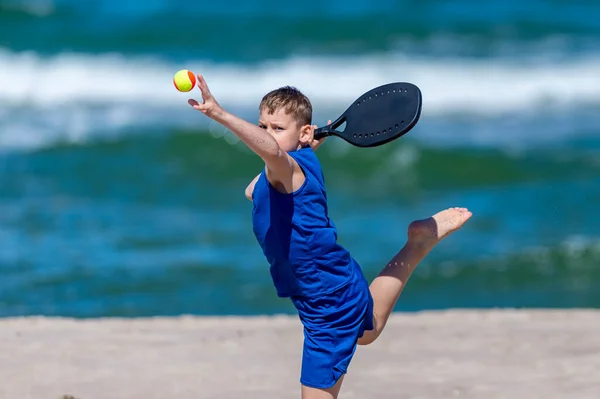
[278,162]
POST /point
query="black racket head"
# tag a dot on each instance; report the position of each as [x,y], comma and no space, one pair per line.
[380,115]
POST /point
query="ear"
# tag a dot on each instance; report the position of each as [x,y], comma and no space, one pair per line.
[307,133]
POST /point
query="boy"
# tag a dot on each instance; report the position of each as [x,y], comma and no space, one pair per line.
[336,305]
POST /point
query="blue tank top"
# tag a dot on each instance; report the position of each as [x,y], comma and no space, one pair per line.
[297,236]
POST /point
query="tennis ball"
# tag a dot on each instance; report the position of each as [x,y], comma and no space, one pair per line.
[184,80]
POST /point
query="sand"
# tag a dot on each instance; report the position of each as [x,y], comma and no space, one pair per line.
[451,354]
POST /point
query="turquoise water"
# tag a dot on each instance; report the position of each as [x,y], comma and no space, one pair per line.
[116,199]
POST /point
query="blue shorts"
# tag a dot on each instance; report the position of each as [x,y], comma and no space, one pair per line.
[332,326]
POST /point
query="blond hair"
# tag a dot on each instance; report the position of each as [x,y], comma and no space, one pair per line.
[291,100]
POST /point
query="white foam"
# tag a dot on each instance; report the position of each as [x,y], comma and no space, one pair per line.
[449,85]
[71,95]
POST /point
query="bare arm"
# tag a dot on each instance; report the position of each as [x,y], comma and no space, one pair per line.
[250,188]
[260,142]
[279,163]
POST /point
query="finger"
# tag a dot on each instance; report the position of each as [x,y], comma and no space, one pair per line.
[203,87]
[196,105]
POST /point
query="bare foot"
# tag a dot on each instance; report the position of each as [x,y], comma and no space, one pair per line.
[426,233]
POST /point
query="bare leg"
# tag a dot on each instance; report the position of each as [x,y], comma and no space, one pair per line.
[423,236]
[316,393]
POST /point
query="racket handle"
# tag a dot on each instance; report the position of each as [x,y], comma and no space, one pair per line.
[323,132]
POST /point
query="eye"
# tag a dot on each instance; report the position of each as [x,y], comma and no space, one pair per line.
[260,125]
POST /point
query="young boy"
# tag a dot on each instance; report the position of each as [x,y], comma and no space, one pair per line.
[336,305]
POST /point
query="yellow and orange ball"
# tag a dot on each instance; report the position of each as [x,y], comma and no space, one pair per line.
[184,80]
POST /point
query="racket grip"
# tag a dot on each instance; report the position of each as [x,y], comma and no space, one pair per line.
[322,132]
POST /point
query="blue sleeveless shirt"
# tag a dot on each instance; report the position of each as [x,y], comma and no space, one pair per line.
[325,283]
[297,236]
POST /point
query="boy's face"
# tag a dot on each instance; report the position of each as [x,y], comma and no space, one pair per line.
[284,128]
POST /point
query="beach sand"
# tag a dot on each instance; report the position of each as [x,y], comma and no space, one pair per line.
[449,354]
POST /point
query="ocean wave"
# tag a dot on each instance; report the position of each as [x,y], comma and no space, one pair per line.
[449,85]
[71,95]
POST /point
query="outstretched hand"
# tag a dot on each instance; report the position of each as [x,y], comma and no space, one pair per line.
[317,143]
[209,105]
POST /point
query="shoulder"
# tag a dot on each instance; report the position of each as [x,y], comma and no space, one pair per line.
[305,157]
[309,162]
[303,153]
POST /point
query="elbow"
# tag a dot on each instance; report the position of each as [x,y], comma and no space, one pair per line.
[273,154]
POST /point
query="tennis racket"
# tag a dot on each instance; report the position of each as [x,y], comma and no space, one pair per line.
[379,116]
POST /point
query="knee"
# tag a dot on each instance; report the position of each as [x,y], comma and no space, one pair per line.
[368,338]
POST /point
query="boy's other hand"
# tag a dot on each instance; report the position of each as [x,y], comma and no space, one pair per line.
[317,143]
[209,105]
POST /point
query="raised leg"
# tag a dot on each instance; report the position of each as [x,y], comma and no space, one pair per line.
[423,236]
